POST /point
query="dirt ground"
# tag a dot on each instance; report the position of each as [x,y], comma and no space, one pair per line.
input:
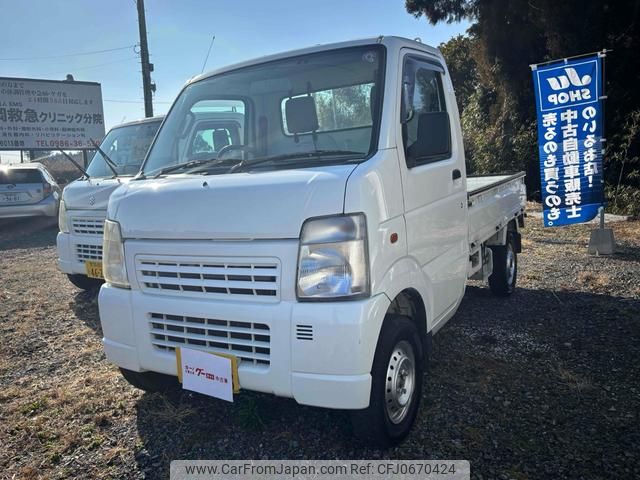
[543,384]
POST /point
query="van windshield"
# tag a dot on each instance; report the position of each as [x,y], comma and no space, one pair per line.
[126,146]
[313,109]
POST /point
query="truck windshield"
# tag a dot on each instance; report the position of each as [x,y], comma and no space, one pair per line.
[319,108]
[126,146]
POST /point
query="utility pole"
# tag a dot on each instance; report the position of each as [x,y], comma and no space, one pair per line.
[147,67]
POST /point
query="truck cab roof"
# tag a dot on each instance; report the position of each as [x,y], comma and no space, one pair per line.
[390,42]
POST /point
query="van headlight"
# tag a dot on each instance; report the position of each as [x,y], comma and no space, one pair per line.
[332,260]
[63,224]
[115,271]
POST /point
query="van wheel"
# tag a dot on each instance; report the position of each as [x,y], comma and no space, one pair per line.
[502,281]
[84,282]
[396,385]
[151,381]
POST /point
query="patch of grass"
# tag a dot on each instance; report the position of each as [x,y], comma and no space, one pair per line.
[34,407]
[572,380]
[248,413]
[593,280]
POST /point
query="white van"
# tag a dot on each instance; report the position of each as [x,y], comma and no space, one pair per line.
[323,251]
[84,201]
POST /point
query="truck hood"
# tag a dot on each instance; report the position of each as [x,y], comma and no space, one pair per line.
[92,194]
[244,206]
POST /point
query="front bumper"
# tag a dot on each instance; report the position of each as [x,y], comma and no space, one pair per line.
[47,207]
[68,244]
[330,370]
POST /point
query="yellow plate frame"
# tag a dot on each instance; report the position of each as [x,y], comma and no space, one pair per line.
[234,367]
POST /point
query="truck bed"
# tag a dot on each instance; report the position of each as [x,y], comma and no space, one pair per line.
[493,201]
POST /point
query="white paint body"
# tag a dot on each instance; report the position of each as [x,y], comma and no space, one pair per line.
[259,221]
[86,203]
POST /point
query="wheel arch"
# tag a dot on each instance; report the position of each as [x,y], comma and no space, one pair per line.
[409,303]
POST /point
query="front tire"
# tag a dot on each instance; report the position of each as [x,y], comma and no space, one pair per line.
[396,385]
[502,281]
[84,282]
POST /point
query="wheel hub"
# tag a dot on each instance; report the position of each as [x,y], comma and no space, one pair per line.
[400,381]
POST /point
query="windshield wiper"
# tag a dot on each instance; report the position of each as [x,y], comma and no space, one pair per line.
[310,155]
[181,166]
[77,165]
[110,163]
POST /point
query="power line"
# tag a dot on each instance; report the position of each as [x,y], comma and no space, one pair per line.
[73,69]
[131,101]
[67,54]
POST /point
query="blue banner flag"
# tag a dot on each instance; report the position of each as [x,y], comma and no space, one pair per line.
[569,139]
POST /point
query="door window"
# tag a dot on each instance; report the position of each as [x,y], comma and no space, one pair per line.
[425,121]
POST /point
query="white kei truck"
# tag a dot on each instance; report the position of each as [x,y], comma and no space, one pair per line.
[324,250]
[84,201]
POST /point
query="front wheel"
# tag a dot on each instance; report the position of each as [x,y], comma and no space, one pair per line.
[84,282]
[502,281]
[396,385]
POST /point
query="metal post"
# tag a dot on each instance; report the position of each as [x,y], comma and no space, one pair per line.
[147,68]
[602,240]
[85,159]
[21,156]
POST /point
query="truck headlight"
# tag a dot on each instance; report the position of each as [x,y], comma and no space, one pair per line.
[63,224]
[332,260]
[115,271]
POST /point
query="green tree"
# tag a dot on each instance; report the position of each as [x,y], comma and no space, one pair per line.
[507,37]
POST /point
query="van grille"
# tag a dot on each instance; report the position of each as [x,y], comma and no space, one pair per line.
[250,342]
[88,252]
[258,279]
[88,226]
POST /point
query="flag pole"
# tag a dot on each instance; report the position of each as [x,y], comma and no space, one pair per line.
[602,240]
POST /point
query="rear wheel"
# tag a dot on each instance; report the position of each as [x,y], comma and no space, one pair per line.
[502,281]
[84,282]
[396,385]
[151,381]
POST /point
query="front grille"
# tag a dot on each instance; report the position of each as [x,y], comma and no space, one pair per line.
[88,226]
[89,252]
[250,342]
[222,278]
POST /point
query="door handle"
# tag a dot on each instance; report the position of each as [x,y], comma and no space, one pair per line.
[456,174]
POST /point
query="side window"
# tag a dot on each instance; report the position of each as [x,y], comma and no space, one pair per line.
[426,130]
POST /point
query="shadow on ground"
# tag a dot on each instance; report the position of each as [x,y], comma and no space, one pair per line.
[28,233]
[541,383]
[85,307]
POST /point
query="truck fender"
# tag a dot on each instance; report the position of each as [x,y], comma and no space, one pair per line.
[404,274]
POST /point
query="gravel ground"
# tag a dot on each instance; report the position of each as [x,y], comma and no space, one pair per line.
[542,384]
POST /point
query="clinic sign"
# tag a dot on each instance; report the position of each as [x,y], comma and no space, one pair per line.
[49,114]
[570,127]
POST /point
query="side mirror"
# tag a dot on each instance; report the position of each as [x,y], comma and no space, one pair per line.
[434,137]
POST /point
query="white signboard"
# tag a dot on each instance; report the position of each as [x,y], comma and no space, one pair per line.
[206,373]
[49,114]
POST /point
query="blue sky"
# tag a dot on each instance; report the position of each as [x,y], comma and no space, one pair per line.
[179,35]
